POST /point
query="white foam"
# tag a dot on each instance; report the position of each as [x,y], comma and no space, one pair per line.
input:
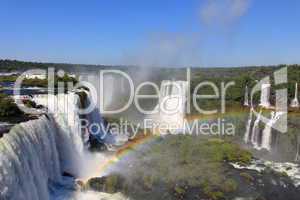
[291,169]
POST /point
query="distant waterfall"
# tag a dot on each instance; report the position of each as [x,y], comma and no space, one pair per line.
[256,131]
[267,132]
[246,98]
[265,95]
[295,101]
[297,157]
[261,139]
[248,127]
[172,103]
[115,88]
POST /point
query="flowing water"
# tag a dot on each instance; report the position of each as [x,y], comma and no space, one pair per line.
[291,169]
[265,95]
[295,101]
[246,98]
[261,139]
[248,127]
[256,131]
[35,154]
[267,132]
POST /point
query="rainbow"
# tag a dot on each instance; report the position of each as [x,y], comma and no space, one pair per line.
[144,138]
[122,153]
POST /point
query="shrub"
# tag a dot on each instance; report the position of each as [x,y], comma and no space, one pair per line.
[7,107]
[229,186]
[247,176]
[179,190]
[112,184]
[148,182]
[29,104]
[215,195]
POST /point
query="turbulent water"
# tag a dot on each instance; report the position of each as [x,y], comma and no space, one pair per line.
[30,160]
[35,154]
[291,169]
[64,108]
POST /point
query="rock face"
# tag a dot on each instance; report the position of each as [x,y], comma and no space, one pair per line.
[109,184]
[4,128]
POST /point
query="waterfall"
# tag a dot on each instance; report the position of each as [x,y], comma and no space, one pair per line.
[115,88]
[35,154]
[295,101]
[248,126]
[172,104]
[246,98]
[255,132]
[267,132]
[99,132]
[30,159]
[109,90]
[266,138]
[64,108]
[265,95]
[297,157]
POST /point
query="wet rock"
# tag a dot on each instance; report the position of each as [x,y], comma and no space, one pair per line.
[67,174]
[109,184]
[79,184]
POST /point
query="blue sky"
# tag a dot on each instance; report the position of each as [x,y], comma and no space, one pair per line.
[156,32]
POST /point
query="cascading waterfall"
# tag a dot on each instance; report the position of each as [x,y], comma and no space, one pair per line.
[295,101]
[100,132]
[172,103]
[248,126]
[256,131]
[64,108]
[246,98]
[30,160]
[297,157]
[265,141]
[265,95]
[267,132]
[35,154]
